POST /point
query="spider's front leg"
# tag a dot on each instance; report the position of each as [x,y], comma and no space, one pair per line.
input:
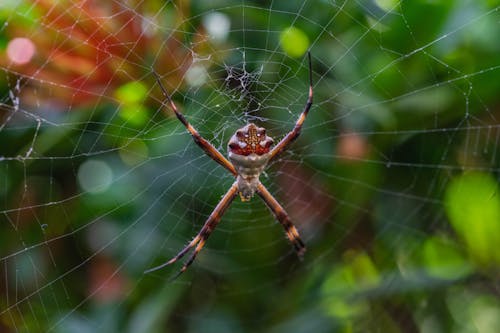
[281,215]
[206,230]
[198,139]
[294,133]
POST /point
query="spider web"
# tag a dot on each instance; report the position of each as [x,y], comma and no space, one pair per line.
[392,183]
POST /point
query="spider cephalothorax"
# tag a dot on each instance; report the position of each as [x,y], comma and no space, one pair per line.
[249,152]
[250,139]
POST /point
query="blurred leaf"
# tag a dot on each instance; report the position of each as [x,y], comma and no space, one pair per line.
[473,312]
[28,15]
[338,288]
[443,260]
[152,313]
[364,270]
[387,5]
[358,274]
[473,207]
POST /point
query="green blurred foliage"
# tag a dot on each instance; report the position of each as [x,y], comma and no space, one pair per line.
[393,182]
[473,207]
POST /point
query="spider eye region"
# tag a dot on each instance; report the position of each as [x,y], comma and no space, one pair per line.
[250,139]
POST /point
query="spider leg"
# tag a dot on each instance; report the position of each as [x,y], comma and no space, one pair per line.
[294,133]
[283,218]
[198,139]
[206,230]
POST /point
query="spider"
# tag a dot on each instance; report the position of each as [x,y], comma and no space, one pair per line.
[250,150]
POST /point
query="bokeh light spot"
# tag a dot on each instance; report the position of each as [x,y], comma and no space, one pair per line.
[294,42]
[196,75]
[131,92]
[217,25]
[95,176]
[20,50]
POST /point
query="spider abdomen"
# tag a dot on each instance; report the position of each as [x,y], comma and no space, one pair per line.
[249,169]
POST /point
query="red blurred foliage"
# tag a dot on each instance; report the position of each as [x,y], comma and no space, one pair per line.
[306,200]
[352,147]
[86,49]
[106,282]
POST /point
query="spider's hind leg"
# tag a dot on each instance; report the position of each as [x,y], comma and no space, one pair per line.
[283,218]
[206,230]
[179,255]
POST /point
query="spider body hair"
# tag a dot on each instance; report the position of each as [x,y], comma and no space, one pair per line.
[249,152]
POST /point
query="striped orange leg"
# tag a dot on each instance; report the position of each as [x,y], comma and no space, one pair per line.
[293,134]
[281,215]
[206,230]
[198,139]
